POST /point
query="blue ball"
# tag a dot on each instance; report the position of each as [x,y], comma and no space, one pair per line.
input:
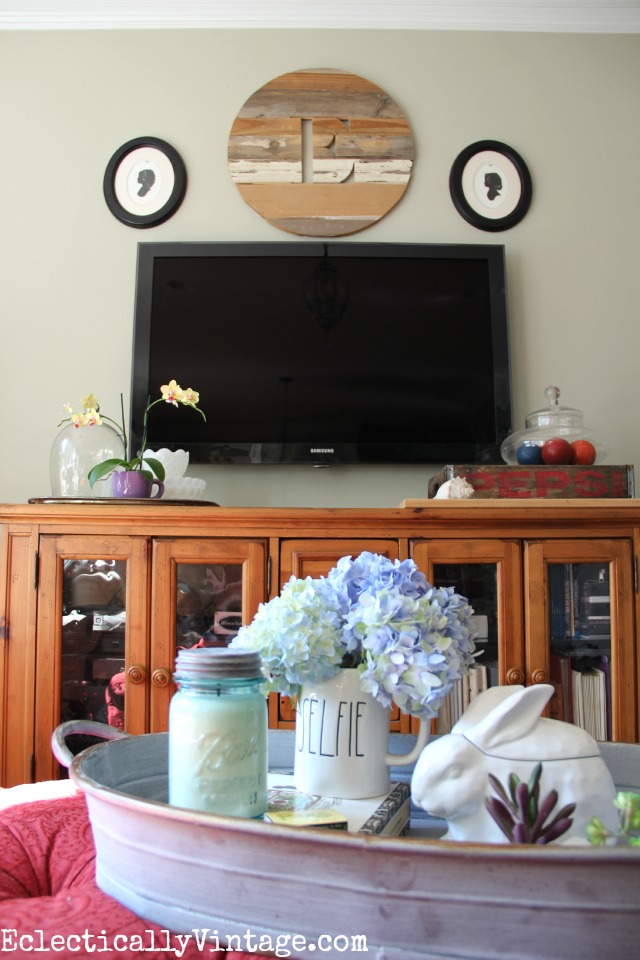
[529,453]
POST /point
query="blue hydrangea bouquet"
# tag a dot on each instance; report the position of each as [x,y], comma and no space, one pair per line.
[410,641]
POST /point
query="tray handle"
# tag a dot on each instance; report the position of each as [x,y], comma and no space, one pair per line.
[89,727]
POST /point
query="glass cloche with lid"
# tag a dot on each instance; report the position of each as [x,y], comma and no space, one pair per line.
[554,423]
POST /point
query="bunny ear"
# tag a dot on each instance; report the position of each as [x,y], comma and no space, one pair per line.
[512,718]
[482,705]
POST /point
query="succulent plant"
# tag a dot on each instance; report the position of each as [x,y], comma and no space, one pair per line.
[520,813]
[628,832]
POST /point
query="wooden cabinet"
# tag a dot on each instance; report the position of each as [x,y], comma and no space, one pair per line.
[80,580]
[231,573]
[489,573]
[533,592]
[314,558]
[110,611]
[592,585]
[553,582]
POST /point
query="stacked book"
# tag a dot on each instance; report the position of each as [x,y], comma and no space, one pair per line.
[387,815]
[480,676]
[589,701]
[582,693]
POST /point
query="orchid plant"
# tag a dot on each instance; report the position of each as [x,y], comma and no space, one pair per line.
[171,393]
[409,641]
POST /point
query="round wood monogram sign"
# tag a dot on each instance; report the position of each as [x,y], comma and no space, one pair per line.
[321,153]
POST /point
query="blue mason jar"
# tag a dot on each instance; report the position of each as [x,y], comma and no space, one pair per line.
[218,733]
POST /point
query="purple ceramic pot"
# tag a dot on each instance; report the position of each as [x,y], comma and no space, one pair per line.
[132,483]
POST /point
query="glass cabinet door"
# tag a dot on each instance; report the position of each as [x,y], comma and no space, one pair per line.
[580,632]
[92,637]
[203,590]
[489,574]
[314,558]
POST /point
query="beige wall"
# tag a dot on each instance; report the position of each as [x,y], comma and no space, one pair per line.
[570,104]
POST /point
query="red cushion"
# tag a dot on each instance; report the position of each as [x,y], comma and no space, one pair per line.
[46,845]
[49,900]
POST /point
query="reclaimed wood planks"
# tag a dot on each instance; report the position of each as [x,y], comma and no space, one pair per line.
[357,165]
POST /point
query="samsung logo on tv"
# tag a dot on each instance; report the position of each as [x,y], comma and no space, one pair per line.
[322,450]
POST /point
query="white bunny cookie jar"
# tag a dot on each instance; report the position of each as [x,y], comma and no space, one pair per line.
[500,733]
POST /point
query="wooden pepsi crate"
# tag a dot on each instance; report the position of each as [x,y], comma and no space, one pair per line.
[550,482]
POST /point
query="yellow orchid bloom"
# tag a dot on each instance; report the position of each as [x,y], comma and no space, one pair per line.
[92,418]
[90,403]
[190,397]
[171,392]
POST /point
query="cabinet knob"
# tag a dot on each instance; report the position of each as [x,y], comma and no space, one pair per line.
[161,677]
[136,673]
[539,676]
[515,675]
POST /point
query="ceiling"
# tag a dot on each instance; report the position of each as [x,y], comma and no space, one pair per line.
[575,16]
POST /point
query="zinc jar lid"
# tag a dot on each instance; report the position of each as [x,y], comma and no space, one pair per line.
[218,663]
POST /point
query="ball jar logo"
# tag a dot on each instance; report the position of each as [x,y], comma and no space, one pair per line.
[220,749]
[222,770]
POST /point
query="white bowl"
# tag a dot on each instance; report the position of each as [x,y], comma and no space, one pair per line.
[183,488]
[175,462]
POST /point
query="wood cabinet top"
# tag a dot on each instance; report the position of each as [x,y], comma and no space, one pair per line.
[438,518]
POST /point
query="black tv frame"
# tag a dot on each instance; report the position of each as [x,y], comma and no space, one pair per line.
[355,453]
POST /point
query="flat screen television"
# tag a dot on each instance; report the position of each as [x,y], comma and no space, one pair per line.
[324,353]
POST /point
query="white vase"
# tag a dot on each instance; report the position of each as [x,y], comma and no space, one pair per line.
[74,452]
[342,736]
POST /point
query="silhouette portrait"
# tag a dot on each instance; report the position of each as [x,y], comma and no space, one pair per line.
[493,183]
[146,179]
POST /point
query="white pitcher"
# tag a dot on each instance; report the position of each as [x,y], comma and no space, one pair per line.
[342,737]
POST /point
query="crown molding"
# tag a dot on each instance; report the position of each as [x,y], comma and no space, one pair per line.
[570,16]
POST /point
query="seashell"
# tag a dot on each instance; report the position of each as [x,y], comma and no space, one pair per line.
[455,489]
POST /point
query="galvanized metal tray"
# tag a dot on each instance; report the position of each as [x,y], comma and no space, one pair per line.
[409,898]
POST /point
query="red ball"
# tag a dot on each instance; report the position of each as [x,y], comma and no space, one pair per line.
[556,450]
[583,451]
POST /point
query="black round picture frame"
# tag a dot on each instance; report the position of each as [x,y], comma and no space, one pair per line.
[145,182]
[490,185]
